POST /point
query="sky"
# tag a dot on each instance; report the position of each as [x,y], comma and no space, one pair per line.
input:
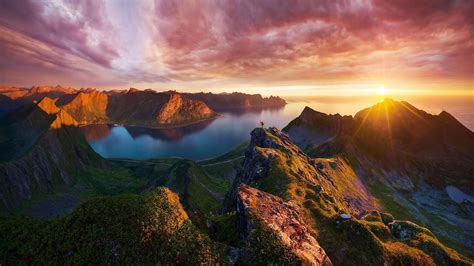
[266,46]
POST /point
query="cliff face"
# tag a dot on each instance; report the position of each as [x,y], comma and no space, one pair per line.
[275,231]
[179,110]
[88,107]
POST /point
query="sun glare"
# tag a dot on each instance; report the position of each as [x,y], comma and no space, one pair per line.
[382,91]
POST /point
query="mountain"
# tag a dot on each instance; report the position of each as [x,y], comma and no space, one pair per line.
[135,107]
[328,126]
[49,151]
[128,229]
[338,210]
[236,100]
[410,160]
[143,108]
[86,107]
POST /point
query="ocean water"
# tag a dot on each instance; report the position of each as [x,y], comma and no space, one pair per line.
[211,138]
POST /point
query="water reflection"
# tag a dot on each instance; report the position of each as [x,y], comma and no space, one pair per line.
[211,138]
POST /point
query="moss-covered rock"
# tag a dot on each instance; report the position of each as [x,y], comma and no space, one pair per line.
[405,230]
[376,216]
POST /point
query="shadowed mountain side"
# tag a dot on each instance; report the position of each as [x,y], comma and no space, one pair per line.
[397,137]
[328,126]
[20,130]
[409,159]
[57,157]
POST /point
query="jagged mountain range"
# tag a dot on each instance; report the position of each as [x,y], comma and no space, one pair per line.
[134,107]
[314,193]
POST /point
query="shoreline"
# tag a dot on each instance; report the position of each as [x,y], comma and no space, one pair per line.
[153,126]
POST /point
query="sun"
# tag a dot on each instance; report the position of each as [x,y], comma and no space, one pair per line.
[382,91]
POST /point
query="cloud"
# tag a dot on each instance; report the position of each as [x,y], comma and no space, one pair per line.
[235,42]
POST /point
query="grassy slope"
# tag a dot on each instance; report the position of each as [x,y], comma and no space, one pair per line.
[125,229]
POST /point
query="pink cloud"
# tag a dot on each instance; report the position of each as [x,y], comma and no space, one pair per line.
[238,41]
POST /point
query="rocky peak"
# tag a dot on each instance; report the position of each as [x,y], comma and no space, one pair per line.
[63,119]
[48,105]
[258,210]
[133,90]
[271,138]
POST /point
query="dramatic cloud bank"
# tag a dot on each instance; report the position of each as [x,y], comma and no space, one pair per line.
[237,44]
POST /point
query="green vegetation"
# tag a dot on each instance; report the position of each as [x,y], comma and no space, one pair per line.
[224,228]
[265,247]
[125,229]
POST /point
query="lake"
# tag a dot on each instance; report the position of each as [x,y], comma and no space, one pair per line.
[211,138]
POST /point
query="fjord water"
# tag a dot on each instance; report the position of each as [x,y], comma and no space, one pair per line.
[207,139]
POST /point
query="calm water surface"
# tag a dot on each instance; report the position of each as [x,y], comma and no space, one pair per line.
[211,138]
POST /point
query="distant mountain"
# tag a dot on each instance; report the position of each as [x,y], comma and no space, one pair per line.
[411,160]
[153,109]
[236,100]
[136,107]
[89,106]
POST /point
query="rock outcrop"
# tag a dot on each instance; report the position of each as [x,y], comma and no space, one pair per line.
[257,209]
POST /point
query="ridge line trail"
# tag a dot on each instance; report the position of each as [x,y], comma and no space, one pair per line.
[226,161]
[140,161]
